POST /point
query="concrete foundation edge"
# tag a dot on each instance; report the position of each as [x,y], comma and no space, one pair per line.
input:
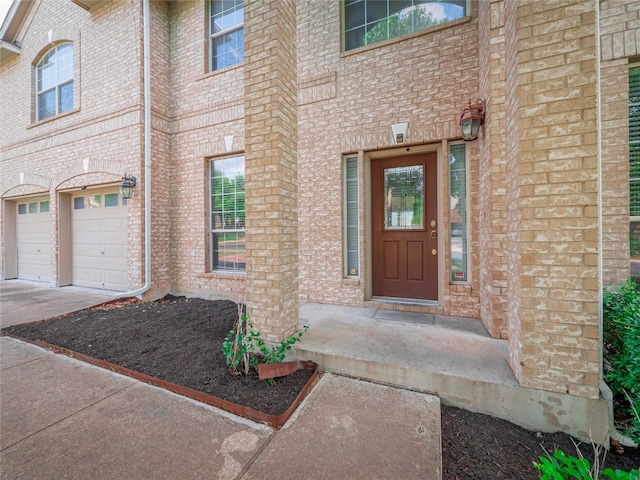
[538,410]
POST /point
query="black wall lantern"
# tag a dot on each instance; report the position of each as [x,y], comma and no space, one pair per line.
[471,119]
[126,187]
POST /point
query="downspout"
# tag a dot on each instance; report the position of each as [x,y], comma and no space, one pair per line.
[604,388]
[147,155]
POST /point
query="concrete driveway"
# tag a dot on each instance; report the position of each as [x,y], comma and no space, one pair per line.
[24,302]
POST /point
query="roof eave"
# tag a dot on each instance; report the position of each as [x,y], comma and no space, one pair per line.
[14,20]
[90,4]
[8,51]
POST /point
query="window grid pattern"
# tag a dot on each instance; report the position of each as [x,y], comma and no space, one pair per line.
[370,21]
[33,207]
[227,33]
[228,214]
[55,82]
[352,223]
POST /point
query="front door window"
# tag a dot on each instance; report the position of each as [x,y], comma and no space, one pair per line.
[404,191]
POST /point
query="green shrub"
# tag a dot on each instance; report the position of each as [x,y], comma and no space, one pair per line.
[243,347]
[560,467]
[621,311]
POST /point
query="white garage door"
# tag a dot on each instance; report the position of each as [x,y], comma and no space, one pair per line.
[99,239]
[34,239]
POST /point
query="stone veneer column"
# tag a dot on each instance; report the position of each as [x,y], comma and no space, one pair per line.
[552,198]
[270,103]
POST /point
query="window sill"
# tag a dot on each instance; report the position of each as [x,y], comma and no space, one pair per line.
[55,117]
[219,72]
[224,274]
[351,282]
[461,286]
[401,38]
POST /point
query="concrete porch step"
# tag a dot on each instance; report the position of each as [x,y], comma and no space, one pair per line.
[454,358]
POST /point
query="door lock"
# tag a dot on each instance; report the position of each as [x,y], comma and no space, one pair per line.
[434,233]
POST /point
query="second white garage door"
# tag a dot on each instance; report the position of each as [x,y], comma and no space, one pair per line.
[99,239]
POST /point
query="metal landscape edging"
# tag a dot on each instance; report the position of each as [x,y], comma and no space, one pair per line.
[275,421]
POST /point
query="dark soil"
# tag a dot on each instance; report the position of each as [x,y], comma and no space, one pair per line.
[175,339]
[180,340]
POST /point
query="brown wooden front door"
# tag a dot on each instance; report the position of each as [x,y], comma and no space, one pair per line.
[405,230]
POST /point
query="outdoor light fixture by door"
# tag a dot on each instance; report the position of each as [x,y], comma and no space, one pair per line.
[126,187]
[471,119]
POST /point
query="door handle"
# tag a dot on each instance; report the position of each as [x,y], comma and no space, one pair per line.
[434,233]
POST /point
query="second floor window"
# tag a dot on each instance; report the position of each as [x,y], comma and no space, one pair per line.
[371,21]
[227,33]
[54,82]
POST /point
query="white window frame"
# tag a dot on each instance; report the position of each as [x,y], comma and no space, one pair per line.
[351,225]
[57,84]
[238,5]
[221,229]
[369,23]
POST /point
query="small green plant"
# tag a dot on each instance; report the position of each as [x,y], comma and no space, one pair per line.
[621,311]
[244,348]
[560,466]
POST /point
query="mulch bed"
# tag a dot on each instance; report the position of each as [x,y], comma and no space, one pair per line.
[180,340]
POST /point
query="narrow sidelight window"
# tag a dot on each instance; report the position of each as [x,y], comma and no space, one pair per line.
[351,217]
[458,218]
[634,170]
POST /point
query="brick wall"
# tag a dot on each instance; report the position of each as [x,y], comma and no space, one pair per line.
[348,102]
[552,181]
[100,139]
[270,99]
[512,192]
[161,194]
[204,107]
[492,169]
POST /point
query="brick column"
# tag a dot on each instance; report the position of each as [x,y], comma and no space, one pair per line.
[270,103]
[552,173]
[492,169]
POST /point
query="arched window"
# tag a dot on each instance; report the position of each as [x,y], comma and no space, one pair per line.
[55,82]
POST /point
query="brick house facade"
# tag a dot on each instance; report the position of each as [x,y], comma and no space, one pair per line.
[546,218]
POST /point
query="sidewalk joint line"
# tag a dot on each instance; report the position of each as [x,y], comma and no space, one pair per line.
[71,415]
[256,455]
[23,363]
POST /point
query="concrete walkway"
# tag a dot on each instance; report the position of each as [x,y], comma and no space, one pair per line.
[62,418]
